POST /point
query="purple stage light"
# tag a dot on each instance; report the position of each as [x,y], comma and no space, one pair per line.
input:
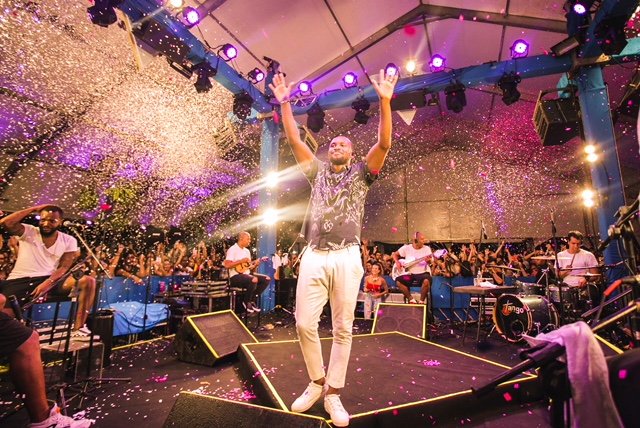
[579,9]
[350,80]
[191,15]
[519,49]
[391,70]
[304,87]
[437,63]
[228,52]
[256,75]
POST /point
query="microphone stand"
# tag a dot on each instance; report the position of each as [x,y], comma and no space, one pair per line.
[557,267]
[82,387]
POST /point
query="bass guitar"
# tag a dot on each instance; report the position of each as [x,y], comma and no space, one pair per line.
[408,263]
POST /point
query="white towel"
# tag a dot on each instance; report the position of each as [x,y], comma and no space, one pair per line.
[592,402]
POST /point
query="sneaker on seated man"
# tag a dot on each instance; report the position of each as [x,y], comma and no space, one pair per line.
[22,346]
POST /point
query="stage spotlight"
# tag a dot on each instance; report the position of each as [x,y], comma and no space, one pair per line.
[508,83]
[411,66]
[592,157]
[437,63]
[204,71]
[433,101]
[579,8]
[270,217]
[103,12]
[175,4]
[455,97]
[315,118]
[191,16]
[589,149]
[256,76]
[391,70]
[242,103]
[350,80]
[361,105]
[228,52]
[271,180]
[519,49]
[588,198]
[305,88]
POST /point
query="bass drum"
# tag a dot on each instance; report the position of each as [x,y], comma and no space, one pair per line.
[514,316]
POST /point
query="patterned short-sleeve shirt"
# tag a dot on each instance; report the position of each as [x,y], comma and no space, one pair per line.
[334,217]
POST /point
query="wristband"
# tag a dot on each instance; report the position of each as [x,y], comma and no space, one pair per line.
[287,101]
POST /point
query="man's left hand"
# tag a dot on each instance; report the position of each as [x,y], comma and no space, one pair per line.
[384,87]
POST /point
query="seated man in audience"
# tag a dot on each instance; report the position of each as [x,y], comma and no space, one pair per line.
[22,346]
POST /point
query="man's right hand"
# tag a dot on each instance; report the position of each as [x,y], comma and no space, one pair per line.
[280,89]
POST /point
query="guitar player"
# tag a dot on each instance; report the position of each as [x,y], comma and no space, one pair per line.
[238,262]
[418,273]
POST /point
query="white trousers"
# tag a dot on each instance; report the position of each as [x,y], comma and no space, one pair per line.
[332,276]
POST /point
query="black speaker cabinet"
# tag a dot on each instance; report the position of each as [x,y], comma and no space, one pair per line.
[206,338]
[410,319]
[203,411]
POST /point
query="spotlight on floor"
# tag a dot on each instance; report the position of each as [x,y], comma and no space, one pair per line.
[256,76]
[455,98]
[361,105]
[204,71]
[508,83]
[315,118]
[227,52]
[242,103]
[103,12]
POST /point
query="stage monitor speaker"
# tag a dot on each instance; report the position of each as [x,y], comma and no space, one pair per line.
[203,411]
[206,338]
[410,319]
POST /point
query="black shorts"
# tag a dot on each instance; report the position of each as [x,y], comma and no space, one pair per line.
[22,288]
[413,279]
[12,334]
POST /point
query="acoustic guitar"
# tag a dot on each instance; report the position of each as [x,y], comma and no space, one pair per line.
[249,265]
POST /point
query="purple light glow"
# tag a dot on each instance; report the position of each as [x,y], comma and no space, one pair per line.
[437,63]
[304,87]
[519,49]
[191,15]
[228,52]
[256,75]
[579,9]
[350,80]
[391,69]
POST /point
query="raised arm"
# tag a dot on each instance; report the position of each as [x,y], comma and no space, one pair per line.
[12,222]
[282,92]
[378,153]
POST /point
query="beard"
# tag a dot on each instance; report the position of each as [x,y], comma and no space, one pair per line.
[47,234]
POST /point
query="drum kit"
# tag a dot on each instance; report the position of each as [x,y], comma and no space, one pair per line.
[545,305]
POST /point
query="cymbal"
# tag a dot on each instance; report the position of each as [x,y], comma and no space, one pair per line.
[586,275]
[583,267]
[503,267]
[549,258]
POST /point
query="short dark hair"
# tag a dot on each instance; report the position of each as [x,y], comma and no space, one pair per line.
[575,234]
[53,209]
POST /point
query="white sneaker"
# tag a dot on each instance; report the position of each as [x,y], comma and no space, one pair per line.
[308,398]
[333,406]
[413,302]
[58,420]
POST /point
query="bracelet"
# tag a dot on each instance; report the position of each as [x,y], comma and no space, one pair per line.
[287,101]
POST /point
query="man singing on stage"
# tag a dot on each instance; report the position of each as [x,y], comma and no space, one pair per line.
[331,267]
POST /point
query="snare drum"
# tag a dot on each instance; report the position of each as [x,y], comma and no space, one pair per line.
[514,316]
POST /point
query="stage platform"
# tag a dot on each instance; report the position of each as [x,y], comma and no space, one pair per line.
[395,378]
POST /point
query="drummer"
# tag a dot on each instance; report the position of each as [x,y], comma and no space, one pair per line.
[574,262]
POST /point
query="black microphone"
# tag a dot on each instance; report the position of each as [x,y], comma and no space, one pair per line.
[69,223]
[15,306]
